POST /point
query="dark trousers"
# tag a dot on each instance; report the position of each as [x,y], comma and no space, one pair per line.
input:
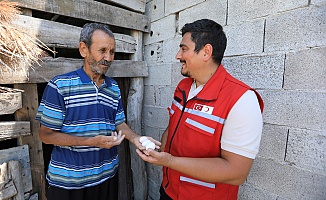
[107,190]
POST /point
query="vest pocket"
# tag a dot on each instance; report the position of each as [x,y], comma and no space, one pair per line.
[195,189]
[198,138]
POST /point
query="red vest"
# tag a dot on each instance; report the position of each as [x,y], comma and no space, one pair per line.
[195,130]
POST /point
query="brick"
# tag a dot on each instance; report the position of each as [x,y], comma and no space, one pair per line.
[298,109]
[251,9]
[273,142]
[210,9]
[287,181]
[155,116]
[155,10]
[305,69]
[245,38]
[306,149]
[153,53]
[264,71]
[160,74]
[174,6]
[296,29]
[249,192]
[161,29]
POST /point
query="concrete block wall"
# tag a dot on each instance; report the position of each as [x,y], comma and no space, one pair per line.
[277,47]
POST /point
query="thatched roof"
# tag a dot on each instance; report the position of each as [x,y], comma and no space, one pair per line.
[18,50]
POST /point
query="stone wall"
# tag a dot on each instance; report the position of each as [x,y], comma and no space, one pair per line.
[277,47]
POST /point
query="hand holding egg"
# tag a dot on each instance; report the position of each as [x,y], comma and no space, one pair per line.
[145,142]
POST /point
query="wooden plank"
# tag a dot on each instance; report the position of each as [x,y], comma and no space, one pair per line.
[10,102]
[7,189]
[15,170]
[55,34]
[91,11]
[134,110]
[28,113]
[14,129]
[136,5]
[55,66]
[20,154]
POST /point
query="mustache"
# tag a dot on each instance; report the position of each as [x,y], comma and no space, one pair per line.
[105,62]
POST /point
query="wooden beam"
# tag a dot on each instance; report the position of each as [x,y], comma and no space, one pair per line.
[136,5]
[14,129]
[91,11]
[55,66]
[10,102]
[55,34]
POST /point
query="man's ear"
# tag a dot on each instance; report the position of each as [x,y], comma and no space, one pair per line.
[83,50]
[208,51]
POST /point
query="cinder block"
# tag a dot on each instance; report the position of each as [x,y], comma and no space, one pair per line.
[155,10]
[298,109]
[155,116]
[252,9]
[265,71]
[149,95]
[250,192]
[316,2]
[176,74]
[307,149]
[165,96]
[160,74]
[210,9]
[245,38]
[287,181]
[153,132]
[171,48]
[306,69]
[273,142]
[153,53]
[296,29]
[161,29]
[174,6]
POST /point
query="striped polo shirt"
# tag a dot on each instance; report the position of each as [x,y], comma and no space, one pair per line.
[74,105]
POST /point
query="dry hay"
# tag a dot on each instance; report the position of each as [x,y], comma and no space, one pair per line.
[18,50]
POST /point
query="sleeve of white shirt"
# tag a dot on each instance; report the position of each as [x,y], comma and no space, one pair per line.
[243,127]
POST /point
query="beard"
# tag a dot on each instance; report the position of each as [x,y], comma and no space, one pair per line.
[95,66]
[186,73]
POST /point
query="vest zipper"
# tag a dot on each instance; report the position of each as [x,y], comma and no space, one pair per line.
[175,130]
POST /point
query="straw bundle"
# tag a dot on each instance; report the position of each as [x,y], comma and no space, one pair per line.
[18,50]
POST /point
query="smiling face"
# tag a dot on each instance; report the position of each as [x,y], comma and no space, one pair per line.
[100,55]
[191,60]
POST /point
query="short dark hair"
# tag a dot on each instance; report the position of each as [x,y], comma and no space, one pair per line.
[206,31]
[88,30]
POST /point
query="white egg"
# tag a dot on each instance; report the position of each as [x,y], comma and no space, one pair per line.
[151,145]
[146,142]
[142,139]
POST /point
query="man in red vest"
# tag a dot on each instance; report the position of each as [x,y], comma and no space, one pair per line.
[215,123]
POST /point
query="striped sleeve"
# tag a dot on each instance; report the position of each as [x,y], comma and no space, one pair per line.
[51,110]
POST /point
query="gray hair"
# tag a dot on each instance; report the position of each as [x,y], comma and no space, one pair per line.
[88,30]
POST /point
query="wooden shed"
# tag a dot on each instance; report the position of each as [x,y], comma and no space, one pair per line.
[58,24]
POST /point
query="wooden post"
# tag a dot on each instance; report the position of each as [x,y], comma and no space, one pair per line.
[134,111]
[28,113]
